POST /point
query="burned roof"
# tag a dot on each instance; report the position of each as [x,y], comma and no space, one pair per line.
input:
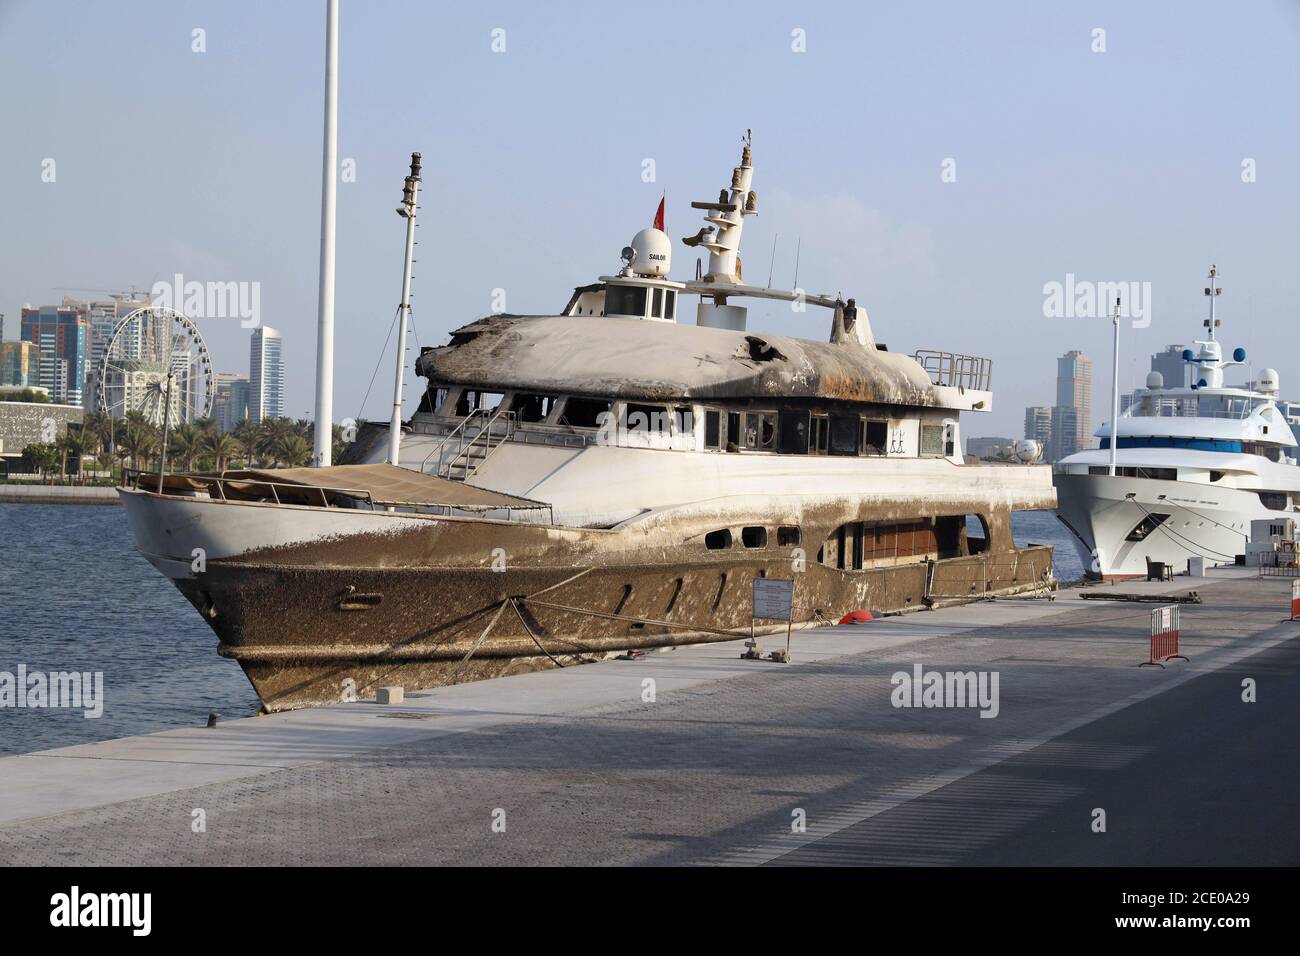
[638,359]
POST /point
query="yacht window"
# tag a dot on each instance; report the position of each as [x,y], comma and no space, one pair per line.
[753,537]
[760,431]
[1216,475]
[670,304]
[844,434]
[875,435]
[712,428]
[646,418]
[733,431]
[439,398]
[1273,500]
[1146,526]
[471,399]
[820,438]
[532,408]
[931,439]
[793,437]
[787,536]
[584,412]
[657,307]
[684,420]
[625,300]
[719,540]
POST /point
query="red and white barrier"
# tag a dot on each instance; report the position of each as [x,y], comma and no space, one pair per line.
[1164,637]
[1295,600]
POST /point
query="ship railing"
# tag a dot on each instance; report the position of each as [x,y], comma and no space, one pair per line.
[956,369]
[216,487]
[479,419]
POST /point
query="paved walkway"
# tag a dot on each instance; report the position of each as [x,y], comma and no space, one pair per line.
[582,769]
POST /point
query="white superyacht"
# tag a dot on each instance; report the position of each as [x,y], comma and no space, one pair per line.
[1192,468]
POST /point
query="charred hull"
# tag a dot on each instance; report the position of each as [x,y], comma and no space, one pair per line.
[310,635]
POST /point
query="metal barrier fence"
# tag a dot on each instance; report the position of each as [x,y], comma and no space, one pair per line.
[1165,631]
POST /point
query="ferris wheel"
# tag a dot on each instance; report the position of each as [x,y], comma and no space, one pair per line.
[156,358]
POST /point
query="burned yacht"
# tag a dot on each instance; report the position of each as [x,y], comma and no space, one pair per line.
[601,481]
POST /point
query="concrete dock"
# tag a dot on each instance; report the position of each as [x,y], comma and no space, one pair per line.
[726,759]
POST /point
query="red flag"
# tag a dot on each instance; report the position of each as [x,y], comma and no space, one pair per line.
[659,216]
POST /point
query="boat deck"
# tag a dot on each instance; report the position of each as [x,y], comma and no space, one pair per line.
[715,768]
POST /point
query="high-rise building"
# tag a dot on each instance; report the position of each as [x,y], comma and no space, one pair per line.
[1073,390]
[1038,425]
[1065,433]
[63,335]
[19,364]
[230,403]
[265,375]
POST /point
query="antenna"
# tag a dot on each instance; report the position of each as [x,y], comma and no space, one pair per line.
[797,249]
[1213,292]
[772,261]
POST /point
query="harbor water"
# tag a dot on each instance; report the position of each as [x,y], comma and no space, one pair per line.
[76,596]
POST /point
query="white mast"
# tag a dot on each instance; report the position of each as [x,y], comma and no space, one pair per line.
[1114,398]
[1213,292]
[325,298]
[410,202]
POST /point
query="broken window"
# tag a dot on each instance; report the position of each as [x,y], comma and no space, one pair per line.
[670,304]
[874,436]
[657,306]
[753,537]
[531,407]
[793,437]
[713,429]
[760,431]
[646,418]
[787,536]
[819,439]
[584,412]
[844,434]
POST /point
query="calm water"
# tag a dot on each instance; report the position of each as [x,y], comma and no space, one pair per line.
[75,595]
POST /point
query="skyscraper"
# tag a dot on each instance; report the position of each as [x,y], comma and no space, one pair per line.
[1038,426]
[1073,391]
[265,375]
[62,333]
[230,405]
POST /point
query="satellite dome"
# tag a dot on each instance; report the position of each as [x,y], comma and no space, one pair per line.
[652,253]
[1029,450]
[1239,355]
[1155,380]
[1268,381]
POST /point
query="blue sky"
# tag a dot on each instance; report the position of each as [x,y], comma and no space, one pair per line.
[1119,165]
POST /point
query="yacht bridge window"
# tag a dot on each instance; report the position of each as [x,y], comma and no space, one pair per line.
[583,412]
[625,300]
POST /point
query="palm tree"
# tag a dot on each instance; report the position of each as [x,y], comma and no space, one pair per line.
[73,442]
[187,442]
[138,439]
[248,436]
[272,430]
[293,450]
[221,447]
